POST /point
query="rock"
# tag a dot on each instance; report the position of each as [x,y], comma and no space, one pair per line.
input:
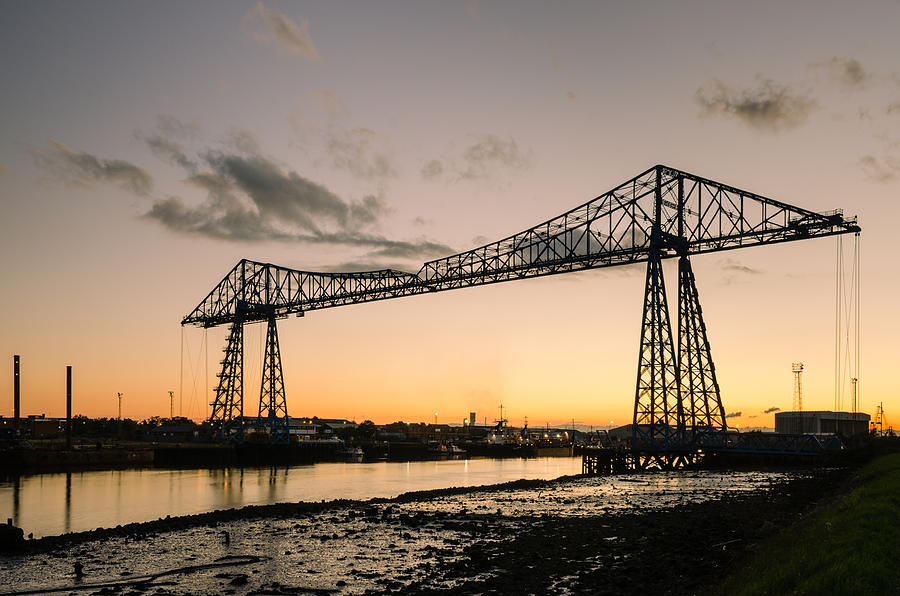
[12,539]
[239,580]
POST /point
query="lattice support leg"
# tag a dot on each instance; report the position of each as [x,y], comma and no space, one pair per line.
[272,401]
[228,408]
[657,404]
[703,411]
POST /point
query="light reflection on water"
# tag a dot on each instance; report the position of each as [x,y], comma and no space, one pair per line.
[49,504]
[371,549]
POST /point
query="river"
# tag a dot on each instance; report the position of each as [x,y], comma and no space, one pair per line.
[50,504]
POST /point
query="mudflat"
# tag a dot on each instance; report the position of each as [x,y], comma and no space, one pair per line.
[658,532]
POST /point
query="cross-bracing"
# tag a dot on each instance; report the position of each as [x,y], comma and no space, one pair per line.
[661,213]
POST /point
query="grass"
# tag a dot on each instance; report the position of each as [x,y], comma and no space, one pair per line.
[852,546]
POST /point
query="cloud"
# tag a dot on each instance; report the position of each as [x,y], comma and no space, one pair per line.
[880,170]
[769,107]
[249,198]
[735,266]
[432,169]
[734,415]
[364,265]
[490,150]
[847,72]
[481,159]
[170,151]
[170,126]
[280,196]
[80,168]
[243,140]
[354,152]
[893,108]
[285,32]
[329,102]
[772,409]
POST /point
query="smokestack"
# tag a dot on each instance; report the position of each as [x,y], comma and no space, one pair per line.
[69,408]
[16,391]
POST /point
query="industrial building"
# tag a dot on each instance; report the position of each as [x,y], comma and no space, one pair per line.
[847,424]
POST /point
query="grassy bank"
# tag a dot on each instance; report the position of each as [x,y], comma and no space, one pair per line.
[848,547]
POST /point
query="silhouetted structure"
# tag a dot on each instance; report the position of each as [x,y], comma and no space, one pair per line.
[661,213]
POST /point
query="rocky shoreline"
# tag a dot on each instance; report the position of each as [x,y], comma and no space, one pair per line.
[527,536]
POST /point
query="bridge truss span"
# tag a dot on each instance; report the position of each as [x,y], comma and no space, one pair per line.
[661,213]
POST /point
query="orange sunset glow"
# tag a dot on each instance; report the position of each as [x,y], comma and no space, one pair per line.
[146,149]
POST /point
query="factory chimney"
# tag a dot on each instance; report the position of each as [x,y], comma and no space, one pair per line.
[16,409]
[69,408]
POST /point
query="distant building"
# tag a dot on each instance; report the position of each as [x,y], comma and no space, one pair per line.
[823,422]
[328,426]
[35,426]
[177,430]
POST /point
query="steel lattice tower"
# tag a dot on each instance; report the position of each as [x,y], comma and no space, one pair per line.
[657,398]
[272,402]
[703,411]
[227,415]
[661,213]
[797,369]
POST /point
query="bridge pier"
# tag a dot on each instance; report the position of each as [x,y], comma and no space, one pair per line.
[272,400]
[677,397]
[227,417]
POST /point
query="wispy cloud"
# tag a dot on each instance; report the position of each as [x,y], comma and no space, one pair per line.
[880,170]
[847,72]
[490,150]
[329,102]
[80,168]
[771,410]
[170,151]
[432,169]
[355,151]
[735,266]
[243,140]
[483,157]
[250,198]
[285,32]
[173,128]
[246,196]
[769,106]
[734,415]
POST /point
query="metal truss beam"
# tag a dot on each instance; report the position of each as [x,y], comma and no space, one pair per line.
[693,214]
[272,401]
[227,416]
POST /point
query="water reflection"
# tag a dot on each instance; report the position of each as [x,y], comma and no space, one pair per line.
[48,504]
[17,487]
[68,510]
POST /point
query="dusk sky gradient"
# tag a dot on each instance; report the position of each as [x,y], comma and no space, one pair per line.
[147,147]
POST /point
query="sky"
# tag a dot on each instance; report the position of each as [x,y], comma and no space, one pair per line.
[147,147]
